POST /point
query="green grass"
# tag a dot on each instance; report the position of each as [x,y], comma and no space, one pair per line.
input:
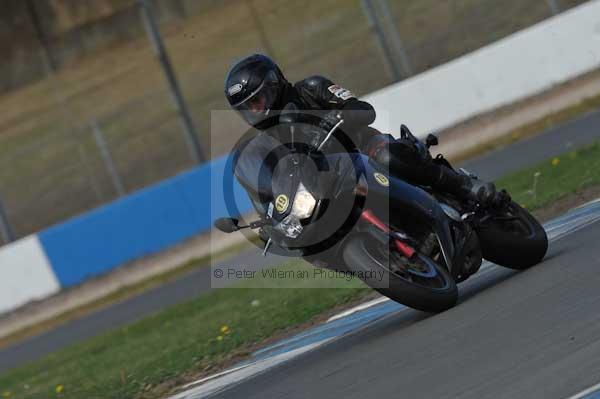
[121,294]
[132,361]
[558,177]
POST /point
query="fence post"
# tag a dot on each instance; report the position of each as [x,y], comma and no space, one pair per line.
[5,228]
[107,158]
[188,126]
[554,8]
[395,37]
[375,24]
[49,60]
[260,27]
[180,8]
[90,174]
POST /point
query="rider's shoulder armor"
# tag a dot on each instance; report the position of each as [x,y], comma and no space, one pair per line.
[319,92]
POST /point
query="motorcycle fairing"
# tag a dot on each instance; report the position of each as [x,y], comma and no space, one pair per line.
[402,196]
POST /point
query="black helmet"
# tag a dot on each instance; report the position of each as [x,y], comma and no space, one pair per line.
[254,87]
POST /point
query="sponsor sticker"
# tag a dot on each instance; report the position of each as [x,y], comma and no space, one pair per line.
[340,92]
[333,88]
[235,89]
[281,203]
[381,179]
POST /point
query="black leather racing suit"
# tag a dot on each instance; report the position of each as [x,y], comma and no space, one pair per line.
[400,156]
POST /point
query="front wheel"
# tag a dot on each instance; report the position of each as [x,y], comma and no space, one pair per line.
[418,282]
[513,238]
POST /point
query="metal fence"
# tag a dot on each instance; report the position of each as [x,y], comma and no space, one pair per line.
[103,122]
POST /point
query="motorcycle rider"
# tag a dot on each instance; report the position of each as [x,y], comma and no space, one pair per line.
[258,90]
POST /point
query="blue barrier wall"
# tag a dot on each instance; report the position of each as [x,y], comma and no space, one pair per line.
[139,224]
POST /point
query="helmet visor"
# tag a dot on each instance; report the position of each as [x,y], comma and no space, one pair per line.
[256,107]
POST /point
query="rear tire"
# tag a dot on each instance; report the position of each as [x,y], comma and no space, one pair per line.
[359,258]
[515,250]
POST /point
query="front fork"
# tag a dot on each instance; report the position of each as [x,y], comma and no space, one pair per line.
[451,251]
[368,216]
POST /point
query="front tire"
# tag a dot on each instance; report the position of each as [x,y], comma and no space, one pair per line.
[361,256]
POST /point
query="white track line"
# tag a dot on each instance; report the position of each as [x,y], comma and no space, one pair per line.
[588,203]
[358,308]
[586,392]
[213,376]
[230,378]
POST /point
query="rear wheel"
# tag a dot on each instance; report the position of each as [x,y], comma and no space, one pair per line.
[418,282]
[513,238]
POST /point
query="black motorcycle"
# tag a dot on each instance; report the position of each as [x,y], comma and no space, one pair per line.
[343,211]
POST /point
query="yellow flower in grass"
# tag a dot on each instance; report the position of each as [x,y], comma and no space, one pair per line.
[225,329]
[555,161]
[220,338]
[59,389]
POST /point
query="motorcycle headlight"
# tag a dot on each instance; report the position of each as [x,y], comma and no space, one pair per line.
[290,226]
[304,203]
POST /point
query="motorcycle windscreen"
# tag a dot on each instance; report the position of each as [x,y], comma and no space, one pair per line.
[263,167]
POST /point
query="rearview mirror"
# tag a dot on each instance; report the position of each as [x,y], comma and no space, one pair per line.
[227,225]
[431,140]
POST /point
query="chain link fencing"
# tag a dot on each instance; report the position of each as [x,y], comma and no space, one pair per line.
[88,115]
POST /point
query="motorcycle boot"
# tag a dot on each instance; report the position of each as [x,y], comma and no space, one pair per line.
[403,160]
[469,188]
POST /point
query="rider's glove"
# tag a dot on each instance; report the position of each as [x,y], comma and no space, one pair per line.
[330,119]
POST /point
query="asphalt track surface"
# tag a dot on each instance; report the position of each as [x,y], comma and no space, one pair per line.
[555,141]
[531,334]
[490,166]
